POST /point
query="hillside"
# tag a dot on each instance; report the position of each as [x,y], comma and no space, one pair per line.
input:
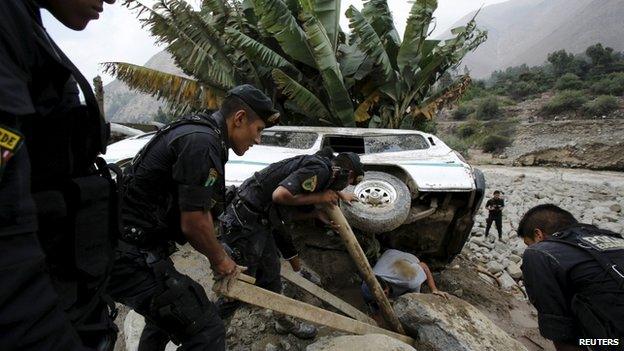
[525,31]
[123,105]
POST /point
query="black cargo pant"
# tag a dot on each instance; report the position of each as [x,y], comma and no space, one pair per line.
[498,221]
[175,306]
[253,246]
[30,313]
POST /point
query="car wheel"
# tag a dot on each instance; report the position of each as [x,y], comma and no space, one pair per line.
[384,203]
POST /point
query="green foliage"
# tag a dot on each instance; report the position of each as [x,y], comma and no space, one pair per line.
[612,84]
[424,125]
[296,51]
[488,108]
[561,62]
[476,90]
[522,90]
[163,117]
[567,100]
[462,111]
[495,143]
[600,56]
[601,106]
[569,81]
[468,129]
[457,144]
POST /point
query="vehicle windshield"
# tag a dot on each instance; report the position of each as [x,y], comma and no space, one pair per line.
[394,143]
[289,139]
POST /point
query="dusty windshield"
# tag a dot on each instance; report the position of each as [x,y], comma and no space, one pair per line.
[289,139]
[394,143]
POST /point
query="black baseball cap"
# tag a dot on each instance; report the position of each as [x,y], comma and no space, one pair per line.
[257,101]
[358,168]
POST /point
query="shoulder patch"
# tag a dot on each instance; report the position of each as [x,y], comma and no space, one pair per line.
[604,242]
[10,142]
[310,183]
[212,177]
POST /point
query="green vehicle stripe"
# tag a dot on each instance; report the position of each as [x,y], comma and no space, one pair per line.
[427,164]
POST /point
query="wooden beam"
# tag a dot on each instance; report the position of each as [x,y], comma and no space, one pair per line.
[358,256]
[251,294]
[341,305]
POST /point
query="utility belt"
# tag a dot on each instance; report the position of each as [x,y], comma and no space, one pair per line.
[247,216]
[156,256]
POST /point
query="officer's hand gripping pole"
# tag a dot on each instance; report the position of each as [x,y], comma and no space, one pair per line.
[358,256]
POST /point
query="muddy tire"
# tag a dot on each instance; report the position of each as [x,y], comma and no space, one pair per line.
[384,203]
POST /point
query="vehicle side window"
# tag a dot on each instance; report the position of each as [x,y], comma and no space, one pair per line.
[394,143]
[289,139]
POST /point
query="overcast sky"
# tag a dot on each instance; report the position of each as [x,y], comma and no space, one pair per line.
[118,36]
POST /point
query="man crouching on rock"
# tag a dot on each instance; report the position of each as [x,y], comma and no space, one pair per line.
[273,196]
[574,276]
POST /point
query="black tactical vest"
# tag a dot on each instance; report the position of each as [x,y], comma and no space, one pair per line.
[599,310]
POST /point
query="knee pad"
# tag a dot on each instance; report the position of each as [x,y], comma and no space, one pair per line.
[182,309]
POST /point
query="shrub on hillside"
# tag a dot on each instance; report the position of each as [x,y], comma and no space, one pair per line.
[468,129]
[487,108]
[457,144]
[495,143]
[569,81]
[611,84]
[521,90]
[602,105]
[567,100]
[463,111]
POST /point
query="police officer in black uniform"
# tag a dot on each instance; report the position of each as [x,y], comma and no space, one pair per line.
[57,202]
[495,207]
[574,276]
[171,192]
[269,200]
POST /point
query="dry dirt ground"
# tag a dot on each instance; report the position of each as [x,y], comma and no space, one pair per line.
[252,328]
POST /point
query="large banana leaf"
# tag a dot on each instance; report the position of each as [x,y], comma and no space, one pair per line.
[302,97]
[327,65]
[261,53]
[370,43]
[328,13]
[170,22]
[415,34]
[275,17]
[177,90]
[378,14]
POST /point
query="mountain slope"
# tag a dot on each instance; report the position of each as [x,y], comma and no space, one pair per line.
[525,31]
[124,105]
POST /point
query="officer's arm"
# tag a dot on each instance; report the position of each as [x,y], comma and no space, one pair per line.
[302,188]
[545,283]
[283,196]
[198,228]
[197,178]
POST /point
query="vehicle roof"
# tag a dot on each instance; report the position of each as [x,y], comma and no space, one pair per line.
[346,131]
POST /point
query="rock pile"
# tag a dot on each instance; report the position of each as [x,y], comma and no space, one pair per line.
[592,197]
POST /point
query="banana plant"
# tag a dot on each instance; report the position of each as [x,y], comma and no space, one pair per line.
[296,52]
[395,81]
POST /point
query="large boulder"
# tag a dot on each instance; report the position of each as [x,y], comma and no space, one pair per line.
[370,342]
[514,271]
[451,324]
